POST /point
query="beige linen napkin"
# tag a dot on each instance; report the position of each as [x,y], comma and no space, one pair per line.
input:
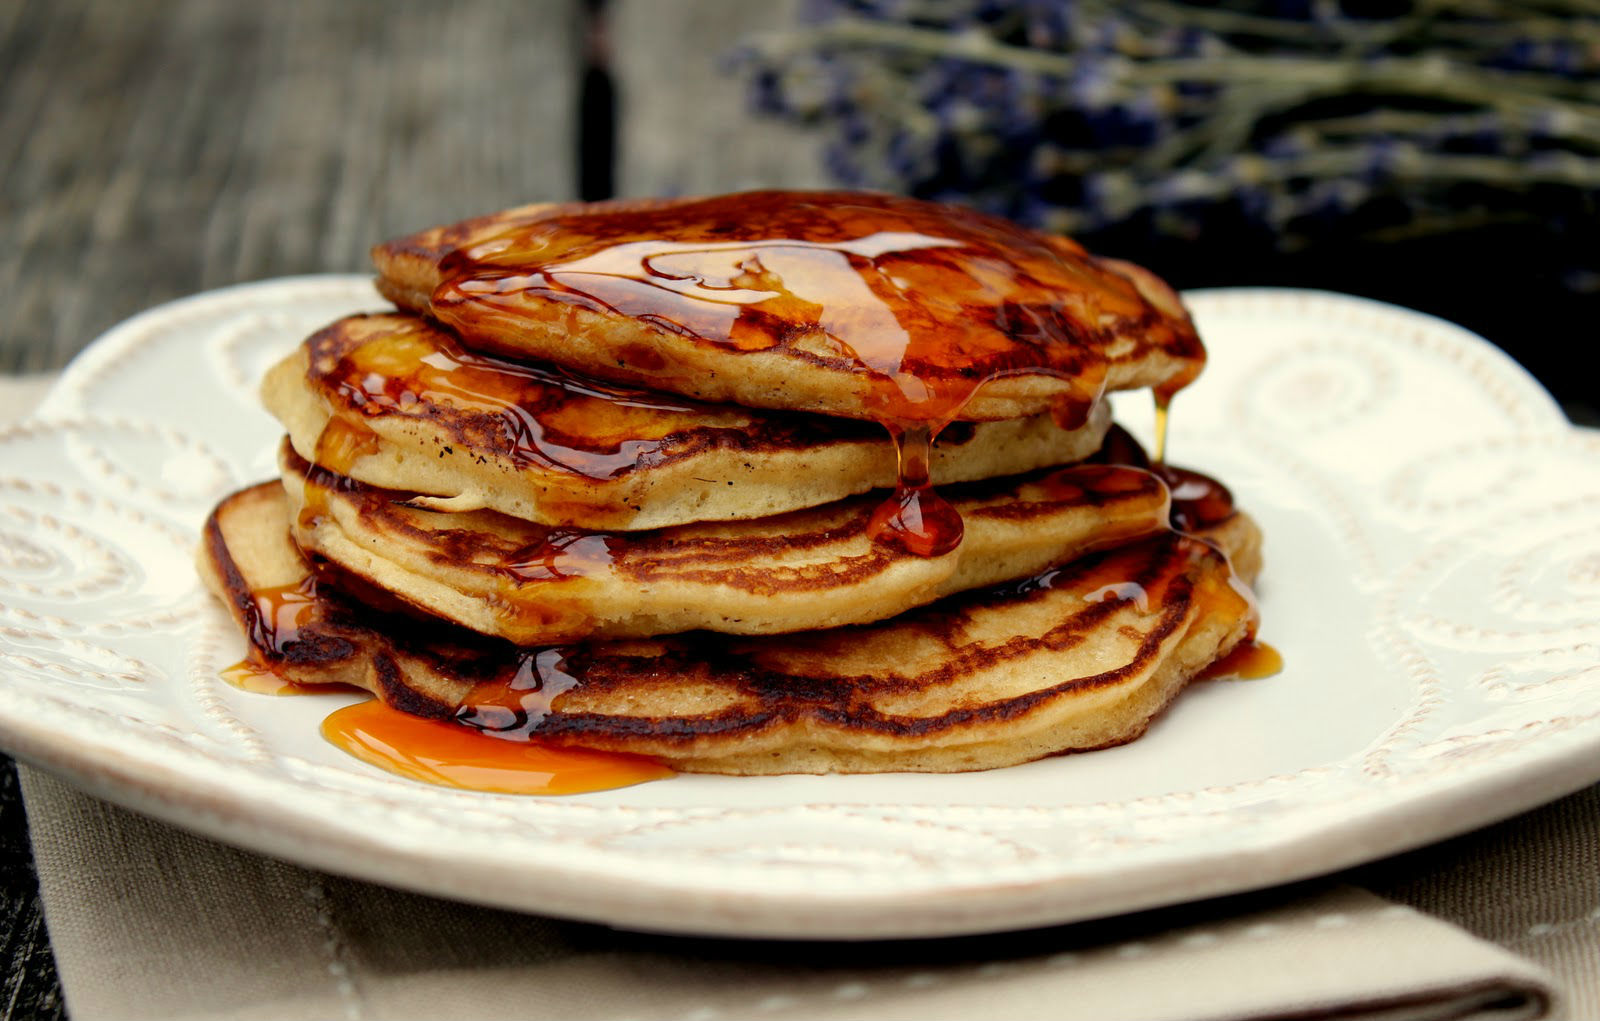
[150,922]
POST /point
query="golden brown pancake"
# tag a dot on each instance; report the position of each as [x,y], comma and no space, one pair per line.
[849,304]
[1081,656]
[411,409]
[817,568]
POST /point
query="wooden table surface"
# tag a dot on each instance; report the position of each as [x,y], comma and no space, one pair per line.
[151,150]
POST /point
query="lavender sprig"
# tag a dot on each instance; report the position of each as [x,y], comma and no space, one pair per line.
[1080,114]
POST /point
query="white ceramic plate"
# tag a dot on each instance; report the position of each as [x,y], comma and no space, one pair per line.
[1433,581]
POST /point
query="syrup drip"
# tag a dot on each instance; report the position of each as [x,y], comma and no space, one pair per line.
[563,553]
[259,680]
[449,755]
[1163,397]
[341,443]
[1163,403]
[926,303]
[1198,500]
[916,516]
[546,418]
[514,707]
[1249,661]
[274,619]
[1071,414]
[1105,580]
[277,615]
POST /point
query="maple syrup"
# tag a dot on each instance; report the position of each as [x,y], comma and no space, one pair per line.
[927,303]
[444,753]
[274,620]
[1198,500]
[1163,403]
[1250,660]
[1144,579]
[343,442]
[1095,482]
[513,706]
[547,418]
[461,754]
[916,516]
[562,553]
[259,680]
[276,615]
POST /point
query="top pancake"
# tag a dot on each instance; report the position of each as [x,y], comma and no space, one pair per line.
[850,304]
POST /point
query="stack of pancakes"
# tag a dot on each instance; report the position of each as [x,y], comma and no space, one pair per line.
[617,476]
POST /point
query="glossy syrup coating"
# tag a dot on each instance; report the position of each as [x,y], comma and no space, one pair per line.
[397,402]
[538,415]
[924,302]
[446,755]
[909,313]
[1198,500]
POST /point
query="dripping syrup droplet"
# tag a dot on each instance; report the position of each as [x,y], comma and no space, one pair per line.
[1071,413]
[343,442]
[259,680]
[451,755]
[1250,660]
[563,553]
[916,516]
[512,709]
[1163,402]
[340,445]
[279,612]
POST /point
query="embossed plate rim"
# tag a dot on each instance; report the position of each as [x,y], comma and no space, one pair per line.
[188,784]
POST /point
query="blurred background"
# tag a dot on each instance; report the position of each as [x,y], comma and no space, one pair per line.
[1442,155]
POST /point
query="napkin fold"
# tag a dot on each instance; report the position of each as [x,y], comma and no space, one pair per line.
[150,922]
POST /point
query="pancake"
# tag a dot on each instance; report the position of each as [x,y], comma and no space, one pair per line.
[849,304]
[1078,657]
[410,409]
[817,568]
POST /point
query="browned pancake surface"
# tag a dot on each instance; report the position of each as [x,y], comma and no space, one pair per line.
[395,401]
[817,568]
[852,304]
[1079,657]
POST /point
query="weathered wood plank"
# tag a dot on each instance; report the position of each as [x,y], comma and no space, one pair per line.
[685,127]
[151,150]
